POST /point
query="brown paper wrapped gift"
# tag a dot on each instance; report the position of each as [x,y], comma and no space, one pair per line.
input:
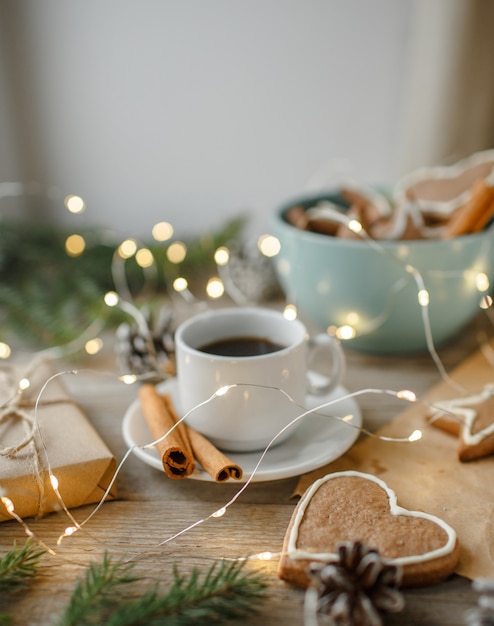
[55,439]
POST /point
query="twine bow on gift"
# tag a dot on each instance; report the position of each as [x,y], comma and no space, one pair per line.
[19,407]
[16,408]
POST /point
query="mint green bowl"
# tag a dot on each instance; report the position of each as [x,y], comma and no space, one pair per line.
[371,289]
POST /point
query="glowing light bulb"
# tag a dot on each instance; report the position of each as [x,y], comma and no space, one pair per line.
[353,318]
[144,257]
[176,252]
[482,282]
[219,512]
[222,256]
[355,226]
[8,504]
[290,312]
[222,390]
[128,379]
[346,332]
[54,481]
[24,383]
[423,297]
[111,298]
[269,245]
[162,231]
[406,394]
[180,284]
[5,350]
[75,204]
[415,436]
[93,346]
[485,302]
[70,530]
[215,287]
[265,556]
[402,252]
[75,245]
[127,248]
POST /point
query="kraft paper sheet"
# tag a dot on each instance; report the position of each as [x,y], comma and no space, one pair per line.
[65,443]
[427,476]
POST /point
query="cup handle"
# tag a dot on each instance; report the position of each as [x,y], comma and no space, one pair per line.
[324,348]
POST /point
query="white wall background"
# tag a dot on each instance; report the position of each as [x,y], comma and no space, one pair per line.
[194,111]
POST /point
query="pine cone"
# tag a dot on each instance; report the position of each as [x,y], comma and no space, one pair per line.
[146,353]
[356,587]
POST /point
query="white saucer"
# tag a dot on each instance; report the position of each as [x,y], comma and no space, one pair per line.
[320,438]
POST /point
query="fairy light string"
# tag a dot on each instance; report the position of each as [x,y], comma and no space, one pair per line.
[10,509]
[424,299]
[18,407]
[114,299]
[346,332]
[218,512]
[128,249]
[405,395]
[221,511]
[222,258]
[36,439]
[53,479]
[181,288]
[269,246]
[123,298]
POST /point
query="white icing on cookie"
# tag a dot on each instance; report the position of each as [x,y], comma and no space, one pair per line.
[404,212]
[466,414]
[394,509]
[447,177]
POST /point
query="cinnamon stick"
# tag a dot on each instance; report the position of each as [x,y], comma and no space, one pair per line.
[475,214]
[175,449]
[212,460]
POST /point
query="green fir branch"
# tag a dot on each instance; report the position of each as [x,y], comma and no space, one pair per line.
[96,592]
[225,592]
[19,566]
[48,298]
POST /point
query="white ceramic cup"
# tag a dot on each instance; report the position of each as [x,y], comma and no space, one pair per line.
[253,410]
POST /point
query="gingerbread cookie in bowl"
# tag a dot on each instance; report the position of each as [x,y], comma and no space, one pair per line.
[453,200]
[471,419]
[351,506]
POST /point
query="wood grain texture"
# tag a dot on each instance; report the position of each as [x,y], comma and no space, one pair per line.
[151,508]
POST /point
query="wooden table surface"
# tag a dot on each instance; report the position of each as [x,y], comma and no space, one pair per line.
[151,507]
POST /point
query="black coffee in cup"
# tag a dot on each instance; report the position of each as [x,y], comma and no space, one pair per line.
[241,346]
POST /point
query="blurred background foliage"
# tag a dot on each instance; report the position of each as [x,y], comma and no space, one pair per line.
[48,297]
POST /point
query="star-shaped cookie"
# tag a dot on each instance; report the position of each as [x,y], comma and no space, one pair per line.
[471,418]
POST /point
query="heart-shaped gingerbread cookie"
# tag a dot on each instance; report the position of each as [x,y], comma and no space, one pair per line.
[351,506]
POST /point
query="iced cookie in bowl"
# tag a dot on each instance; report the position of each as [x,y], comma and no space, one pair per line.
[443,193]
